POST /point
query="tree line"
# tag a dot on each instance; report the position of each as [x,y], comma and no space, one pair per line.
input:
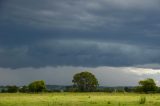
[85,82]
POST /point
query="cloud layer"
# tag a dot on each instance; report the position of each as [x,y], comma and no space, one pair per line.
[87,33]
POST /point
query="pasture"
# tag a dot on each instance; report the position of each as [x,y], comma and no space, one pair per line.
[79,99]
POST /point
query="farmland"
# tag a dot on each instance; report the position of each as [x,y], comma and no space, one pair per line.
[79,99]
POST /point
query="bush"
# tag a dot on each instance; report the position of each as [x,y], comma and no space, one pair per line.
[142,100]
[109,102]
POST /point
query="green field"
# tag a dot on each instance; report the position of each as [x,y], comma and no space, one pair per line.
[78,99]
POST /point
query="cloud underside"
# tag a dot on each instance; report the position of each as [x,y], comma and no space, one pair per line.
[86,33]
[117,40]
[78,53]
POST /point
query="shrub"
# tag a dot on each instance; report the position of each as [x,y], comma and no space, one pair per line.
[109,102]
[142,100]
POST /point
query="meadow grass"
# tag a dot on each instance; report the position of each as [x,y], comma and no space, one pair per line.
[79,99]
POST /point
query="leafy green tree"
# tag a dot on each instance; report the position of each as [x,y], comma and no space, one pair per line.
[3,91]
[85,82]
[37,86]
[147,85]
[12,89]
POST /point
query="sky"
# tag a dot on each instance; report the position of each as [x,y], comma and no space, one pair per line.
[51,40]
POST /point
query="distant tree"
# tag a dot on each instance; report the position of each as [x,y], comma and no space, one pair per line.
[85,82]
[138,89]
[158,90]
[3,91]
[12,89]
[24,89]
[147,85]
[128,89]
[37,86]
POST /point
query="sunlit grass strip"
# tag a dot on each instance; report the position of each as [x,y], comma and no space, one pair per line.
[80,99]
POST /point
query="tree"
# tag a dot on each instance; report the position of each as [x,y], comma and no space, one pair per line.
[12,89]
[23,89]
[147,85]
[85,82]
[129,89]
[3,91]
[37,86]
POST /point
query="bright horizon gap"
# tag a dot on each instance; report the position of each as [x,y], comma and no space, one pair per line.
[107,76]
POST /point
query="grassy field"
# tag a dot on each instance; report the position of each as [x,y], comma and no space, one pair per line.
[79,99]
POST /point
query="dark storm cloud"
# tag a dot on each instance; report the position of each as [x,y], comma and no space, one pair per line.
[86,33]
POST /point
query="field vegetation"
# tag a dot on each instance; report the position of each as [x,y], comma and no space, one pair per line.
[79,99]
[84,92]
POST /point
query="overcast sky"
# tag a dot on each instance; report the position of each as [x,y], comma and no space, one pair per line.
[117,40]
